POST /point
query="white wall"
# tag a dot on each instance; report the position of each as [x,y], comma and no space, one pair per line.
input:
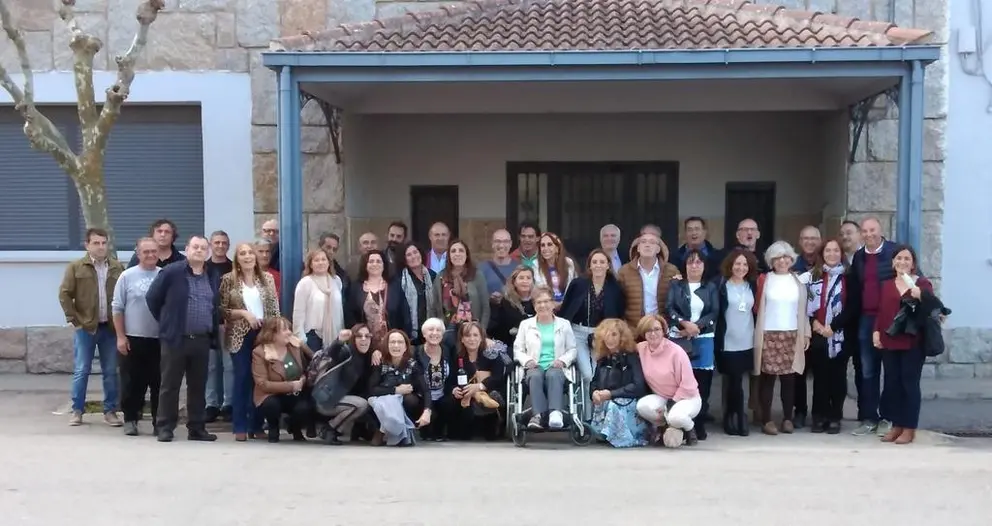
[967,233]
[225,101]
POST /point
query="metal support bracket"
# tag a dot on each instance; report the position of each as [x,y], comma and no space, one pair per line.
[859,113]
[332,116]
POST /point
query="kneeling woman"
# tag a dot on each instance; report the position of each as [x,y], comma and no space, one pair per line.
[616,386]
[277,366]
[398,391]
[333,376]
[675,400]
[477,400]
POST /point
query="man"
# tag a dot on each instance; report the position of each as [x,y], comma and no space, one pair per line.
[85,296]
[527,235]
[871,266]
[329,243]
[850,239]
[695,239]
[395,236]
[809,247]
[137,336]
[270,232]
[437,256]
[645,279]
[609,240]
[220,371]
[748,235]
[187,310]
[499,268]
[264,257]
[367,242]
[164,233]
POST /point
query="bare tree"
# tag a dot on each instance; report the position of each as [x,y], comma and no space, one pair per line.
[85,167]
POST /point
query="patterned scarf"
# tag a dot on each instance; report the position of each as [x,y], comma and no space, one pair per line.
[826,293]
[410,291]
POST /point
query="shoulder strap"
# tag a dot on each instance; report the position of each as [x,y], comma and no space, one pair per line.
[496,270]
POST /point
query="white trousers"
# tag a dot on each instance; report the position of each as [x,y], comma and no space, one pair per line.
[680,415]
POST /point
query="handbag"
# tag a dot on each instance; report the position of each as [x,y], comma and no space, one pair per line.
[686,345]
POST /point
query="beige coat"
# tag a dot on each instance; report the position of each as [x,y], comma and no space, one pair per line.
[803,331]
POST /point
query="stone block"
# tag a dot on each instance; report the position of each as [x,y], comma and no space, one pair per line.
[13,367]
[261,217]
[871,186]
[258,22]
[955,371]
[318,223]
[983,370]
[393,9]
[883,140]
[312,115]
[299,16]
[933,15]
[226,30]
[933,185]
[323,184]
[931,250]
[232,59]
[13,343]
[177,40]
[929,371]
[31,15]
[93,23]
[263,91]
[934,139]
[264,139]
[265,176]
[50,349]
[205,6]
[967,345]
[935,87]
[887,220]
[344,11]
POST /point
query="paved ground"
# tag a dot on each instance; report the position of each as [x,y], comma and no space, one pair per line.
[51,474]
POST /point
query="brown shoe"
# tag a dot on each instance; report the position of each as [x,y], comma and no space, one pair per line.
[241,437]
[769,429]
[788,427]
[378,439]
[76,419]
[893,434]
[112,420]
[907,436]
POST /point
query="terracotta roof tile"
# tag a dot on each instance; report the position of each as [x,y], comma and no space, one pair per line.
[507,25]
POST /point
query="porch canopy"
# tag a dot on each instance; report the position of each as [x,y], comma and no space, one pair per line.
[539,56]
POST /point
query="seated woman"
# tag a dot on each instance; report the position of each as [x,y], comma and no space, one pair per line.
[674,401]
[436,359]
[277,366]
[478,398]
[333,376]
[617,385]
[514,307]
[398,391]
[545,346]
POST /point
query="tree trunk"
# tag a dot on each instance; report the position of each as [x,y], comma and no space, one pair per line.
[93,200]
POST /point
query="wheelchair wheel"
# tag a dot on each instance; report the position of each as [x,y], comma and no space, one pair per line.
[580,435]
[518,433]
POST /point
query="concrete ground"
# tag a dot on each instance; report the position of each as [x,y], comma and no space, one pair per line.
[51,474]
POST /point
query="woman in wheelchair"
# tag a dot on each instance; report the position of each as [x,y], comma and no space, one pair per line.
[476,404]
[545,346]
[674,400]
[616,386]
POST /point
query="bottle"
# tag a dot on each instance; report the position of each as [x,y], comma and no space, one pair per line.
[462,376]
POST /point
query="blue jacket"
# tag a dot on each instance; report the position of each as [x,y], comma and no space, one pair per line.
[167,299]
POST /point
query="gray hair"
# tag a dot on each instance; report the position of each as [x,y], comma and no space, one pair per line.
[431,323]
[261,241]
[779,249]
[610,226]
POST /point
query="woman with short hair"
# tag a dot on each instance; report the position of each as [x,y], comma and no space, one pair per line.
[438,363]
[674,401]
[398,393]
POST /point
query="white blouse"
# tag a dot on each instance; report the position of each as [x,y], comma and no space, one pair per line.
[781,299]
[252,297]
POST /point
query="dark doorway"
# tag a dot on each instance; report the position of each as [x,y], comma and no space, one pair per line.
[755,200]
[430,204]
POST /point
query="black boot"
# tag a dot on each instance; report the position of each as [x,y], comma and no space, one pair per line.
[742,424]
[730,423]
[691,437]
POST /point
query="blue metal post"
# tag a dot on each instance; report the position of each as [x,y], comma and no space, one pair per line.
[916,157]
[902,167]
[290,187]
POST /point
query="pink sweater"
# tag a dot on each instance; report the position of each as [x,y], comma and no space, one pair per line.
[667,371]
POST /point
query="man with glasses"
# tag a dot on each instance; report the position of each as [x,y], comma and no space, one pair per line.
[499,268]
[748,235]
[270,232]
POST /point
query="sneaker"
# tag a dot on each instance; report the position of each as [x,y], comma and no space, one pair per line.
[555,420]
[131,429]
[76,419]
[112,420]
[883,428]
[535,423]
[673,437]
[866,428]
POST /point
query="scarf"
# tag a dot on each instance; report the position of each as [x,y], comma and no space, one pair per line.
[826,293]
[410,291]
[333,320]
[454,295]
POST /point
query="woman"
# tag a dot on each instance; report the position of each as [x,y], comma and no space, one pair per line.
[477,400]
[437,361]
[278,364]
[247,298]
[674,401]
[460,292]
[545,346]
[830,313]
[617,385]
[590,299]
[781,334]
[375,302]
[734,340]
[318,314]
[902,354]
[417,282]
[515,306]
[398,392]
[693,306]
[338,379]
[555,270]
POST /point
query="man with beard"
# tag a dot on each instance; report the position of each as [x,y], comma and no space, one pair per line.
[395,236]
[748,235]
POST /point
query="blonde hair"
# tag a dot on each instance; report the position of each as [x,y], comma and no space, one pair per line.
[510,290]
[644,326]
[308,262]
[604,328]
[239,271]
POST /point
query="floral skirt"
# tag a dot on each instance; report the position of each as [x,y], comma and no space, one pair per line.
[616,421]
[778,352]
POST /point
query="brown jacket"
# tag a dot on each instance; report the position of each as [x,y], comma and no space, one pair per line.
[803,331]
[79,295]
[269,371]
[630,281]
[231,300]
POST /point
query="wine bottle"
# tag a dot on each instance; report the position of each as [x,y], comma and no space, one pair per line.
[462,376]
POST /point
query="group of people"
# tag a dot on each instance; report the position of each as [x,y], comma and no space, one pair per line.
[408,345]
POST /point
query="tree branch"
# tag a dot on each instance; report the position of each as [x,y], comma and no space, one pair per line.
[84,47]
[118,92]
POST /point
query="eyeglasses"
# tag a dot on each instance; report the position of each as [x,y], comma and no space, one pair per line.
[363,336]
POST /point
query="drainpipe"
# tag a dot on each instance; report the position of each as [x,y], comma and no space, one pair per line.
[916,156]
[290,188]
[902,168]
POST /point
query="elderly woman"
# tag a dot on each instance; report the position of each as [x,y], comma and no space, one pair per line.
[674,400]
[617,385]
[278,364]
[460,290]
[555,269]
[544,346]
[693,306]
[481,374]
[333,376]
[318,308]
[398,392]
[515,306]
[734,339]
[437,361]
[417,282]
[781,334]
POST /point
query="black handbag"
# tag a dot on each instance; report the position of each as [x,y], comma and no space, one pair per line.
[686,345]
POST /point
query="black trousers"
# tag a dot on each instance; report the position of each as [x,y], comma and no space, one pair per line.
[801,390]
[191,360]
[766,391]
[298,407]
[141,371]
[439,427]
[465,424]
[735,366]
[704,377]
[829,380]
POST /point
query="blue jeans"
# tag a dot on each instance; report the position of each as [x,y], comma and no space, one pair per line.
[84,348]
[244,418]
[871,374]
[584,363]
[220,379]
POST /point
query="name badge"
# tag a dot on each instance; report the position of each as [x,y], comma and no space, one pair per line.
[742,307]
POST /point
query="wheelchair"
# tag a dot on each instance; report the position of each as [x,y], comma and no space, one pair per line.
[518,415]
